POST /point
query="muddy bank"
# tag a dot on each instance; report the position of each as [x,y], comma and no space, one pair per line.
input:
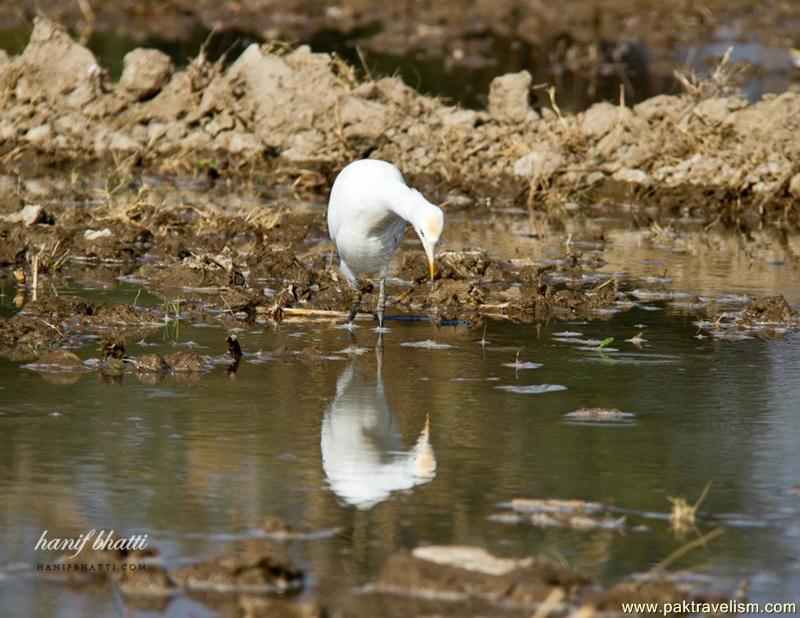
[301,116]
[211,256]
[259,579]
[454,575]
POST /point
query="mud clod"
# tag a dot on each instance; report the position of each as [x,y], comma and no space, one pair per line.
[186,360]
[154,581]
[509,97]
[278,264]
[23,338]
[198,272]
[453,573]
[658,591]
[145,73]
[58,360]
[266,570]
[150,362]
[769,309]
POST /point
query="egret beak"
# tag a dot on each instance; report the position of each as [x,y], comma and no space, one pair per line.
[429,248]
[424,457]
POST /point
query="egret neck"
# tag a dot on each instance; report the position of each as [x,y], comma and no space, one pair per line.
[426,218]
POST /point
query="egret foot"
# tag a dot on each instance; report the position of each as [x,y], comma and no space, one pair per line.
[354,310]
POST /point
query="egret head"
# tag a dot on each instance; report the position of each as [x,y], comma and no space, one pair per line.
[429,226]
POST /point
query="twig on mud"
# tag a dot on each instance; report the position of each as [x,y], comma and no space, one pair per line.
[720,82]
[89,18]
[35,276]
[12,154]
[551,93]
[320,313]
[227,306]
[605,283]
[363,61]
[343,72]
[54,327]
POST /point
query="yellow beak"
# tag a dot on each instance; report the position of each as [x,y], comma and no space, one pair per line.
[430,263]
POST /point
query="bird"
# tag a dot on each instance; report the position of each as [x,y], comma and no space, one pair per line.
[368,210]
[362,453]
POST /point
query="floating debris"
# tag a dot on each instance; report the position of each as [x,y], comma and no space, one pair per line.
[532,389]
[523,365]
[554,513]
[599,415]
[637,339]
[651,295]
[683,516]
[518,364]
[428,344]
[555,505]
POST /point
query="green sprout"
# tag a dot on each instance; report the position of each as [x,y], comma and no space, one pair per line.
[605,343]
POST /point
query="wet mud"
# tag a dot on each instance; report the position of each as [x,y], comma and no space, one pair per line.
[261,580]
[233,268]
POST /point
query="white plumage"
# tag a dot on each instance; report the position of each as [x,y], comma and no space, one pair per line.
[369,207]
[362,453]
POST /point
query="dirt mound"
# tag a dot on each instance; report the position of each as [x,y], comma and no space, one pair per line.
[451,572]
[770,309]
[199,272]
[308,115]
[278,264]
[23,338]
[266,570]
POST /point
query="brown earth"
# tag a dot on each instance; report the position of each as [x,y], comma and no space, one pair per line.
[259,579]
[153,176]
[301,116]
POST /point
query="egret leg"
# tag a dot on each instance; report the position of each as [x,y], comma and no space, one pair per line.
[354,310]
[379,357]
[381,302]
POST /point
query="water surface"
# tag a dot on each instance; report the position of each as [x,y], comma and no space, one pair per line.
[199,463]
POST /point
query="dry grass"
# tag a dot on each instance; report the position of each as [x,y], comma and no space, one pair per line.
[720,82]
[9,75]
[683,516]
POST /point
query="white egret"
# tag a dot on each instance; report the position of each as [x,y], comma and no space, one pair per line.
[369,207]
[362,453]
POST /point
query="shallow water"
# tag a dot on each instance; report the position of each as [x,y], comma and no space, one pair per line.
[199,463]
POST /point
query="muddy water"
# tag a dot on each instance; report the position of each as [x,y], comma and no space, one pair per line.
[199,463]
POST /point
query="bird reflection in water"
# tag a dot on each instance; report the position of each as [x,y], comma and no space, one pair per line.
[361,444]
